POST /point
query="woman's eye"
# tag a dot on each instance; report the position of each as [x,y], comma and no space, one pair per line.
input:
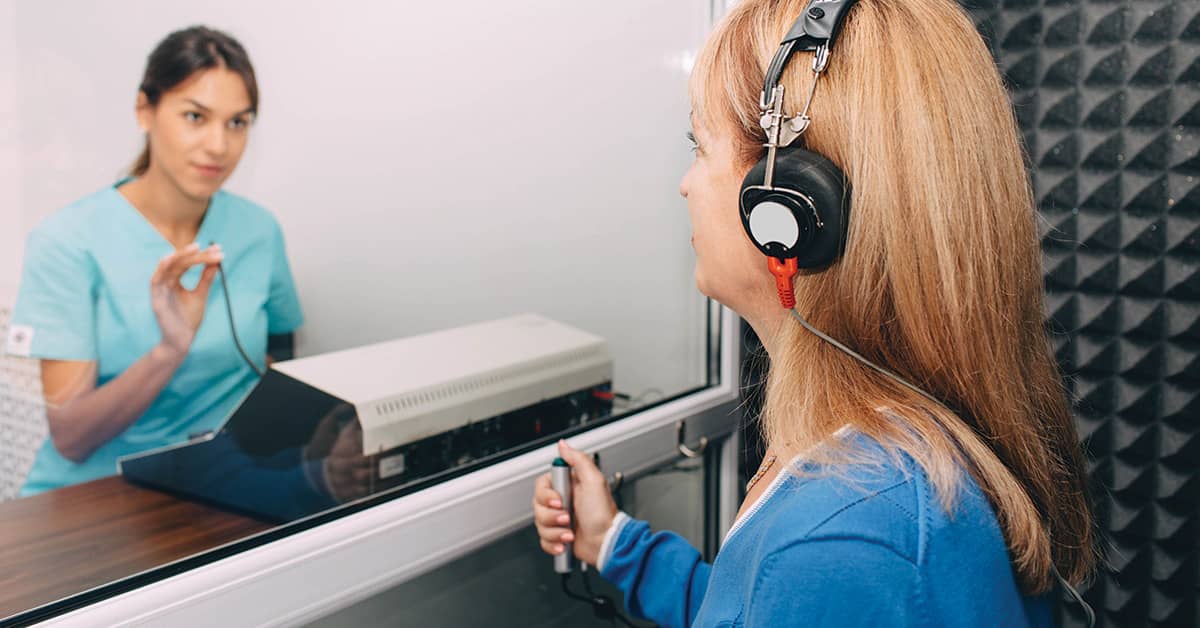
[691,138]
[238,123]
[192,116]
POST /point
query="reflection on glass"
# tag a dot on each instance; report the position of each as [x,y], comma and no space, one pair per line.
[293,451]
[405,208]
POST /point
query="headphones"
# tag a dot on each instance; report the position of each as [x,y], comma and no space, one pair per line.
[794,203]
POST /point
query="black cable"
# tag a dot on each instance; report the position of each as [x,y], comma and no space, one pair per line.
[571,594]
[624,620]
[1087,609]
[602,605]
[587,581]
[232,327]
[635,401]
[609,608]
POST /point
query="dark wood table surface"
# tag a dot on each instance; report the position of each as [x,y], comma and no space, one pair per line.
[66,541]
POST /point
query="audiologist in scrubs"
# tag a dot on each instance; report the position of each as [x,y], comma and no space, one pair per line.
[120,295]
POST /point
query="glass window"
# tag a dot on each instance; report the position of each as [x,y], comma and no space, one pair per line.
[512,583]
[430,168]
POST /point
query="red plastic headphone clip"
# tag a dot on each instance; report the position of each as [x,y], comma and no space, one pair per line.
[784,270]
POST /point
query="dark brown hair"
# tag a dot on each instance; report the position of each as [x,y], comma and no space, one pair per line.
[182,54]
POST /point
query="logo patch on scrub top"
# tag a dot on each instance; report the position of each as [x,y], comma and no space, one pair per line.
[20,341]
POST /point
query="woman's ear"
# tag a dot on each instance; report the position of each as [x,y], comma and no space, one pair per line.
[144,111]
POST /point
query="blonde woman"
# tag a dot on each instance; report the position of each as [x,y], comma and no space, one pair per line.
[876,504]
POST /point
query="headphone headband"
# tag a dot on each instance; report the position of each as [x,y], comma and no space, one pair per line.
[793,202]
[816,28]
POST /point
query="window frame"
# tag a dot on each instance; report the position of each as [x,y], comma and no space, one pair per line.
[313,572]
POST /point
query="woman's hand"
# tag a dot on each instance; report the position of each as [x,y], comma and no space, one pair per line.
[347,470]
[594,508]
[179,311]
[337,443]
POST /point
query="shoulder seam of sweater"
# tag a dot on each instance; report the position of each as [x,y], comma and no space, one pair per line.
[856,538]
[852,504]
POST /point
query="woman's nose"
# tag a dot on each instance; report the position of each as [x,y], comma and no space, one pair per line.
[216,143]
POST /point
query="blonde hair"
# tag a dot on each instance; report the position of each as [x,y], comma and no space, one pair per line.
[941,278]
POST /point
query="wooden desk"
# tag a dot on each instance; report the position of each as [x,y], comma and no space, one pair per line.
[66,541]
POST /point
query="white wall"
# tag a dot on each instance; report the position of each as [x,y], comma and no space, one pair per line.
[11,223]
[432,164]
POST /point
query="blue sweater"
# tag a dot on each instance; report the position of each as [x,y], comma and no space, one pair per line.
[868,546]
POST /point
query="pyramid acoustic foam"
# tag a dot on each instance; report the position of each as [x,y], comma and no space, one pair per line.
[1108,97]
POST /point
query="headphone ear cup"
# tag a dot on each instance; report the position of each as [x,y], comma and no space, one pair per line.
[803,215]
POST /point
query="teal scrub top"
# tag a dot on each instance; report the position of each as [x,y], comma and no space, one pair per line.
[85,295]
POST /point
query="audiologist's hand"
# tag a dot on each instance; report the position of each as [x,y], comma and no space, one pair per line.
[594,508]
[179,311]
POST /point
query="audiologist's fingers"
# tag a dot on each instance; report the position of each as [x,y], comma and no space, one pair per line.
[174,263]
[173,266]
[206,281]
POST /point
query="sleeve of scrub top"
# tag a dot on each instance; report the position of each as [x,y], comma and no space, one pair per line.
[283,305]
[54,317]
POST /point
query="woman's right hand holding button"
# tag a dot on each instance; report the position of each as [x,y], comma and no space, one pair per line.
[594,509]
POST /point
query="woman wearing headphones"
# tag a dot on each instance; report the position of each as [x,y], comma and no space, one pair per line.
[115,287]
[923,468]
